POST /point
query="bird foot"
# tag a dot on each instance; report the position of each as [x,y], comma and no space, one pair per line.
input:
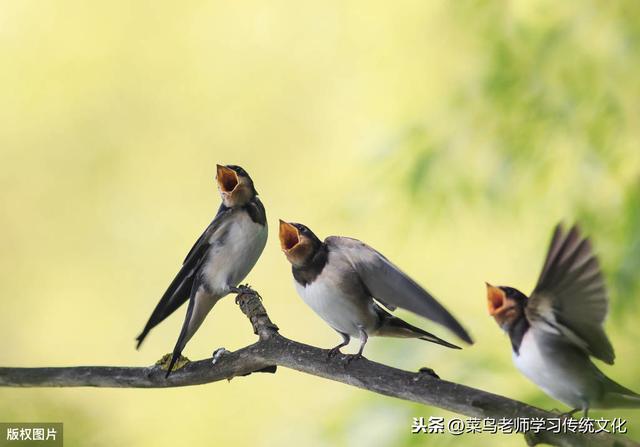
[334,351]
[244,289]
[429,372]
[165,361]
[217,354]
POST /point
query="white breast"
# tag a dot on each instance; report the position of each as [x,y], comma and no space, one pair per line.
[530,362]
[231,259]
[540,366]
[342,312]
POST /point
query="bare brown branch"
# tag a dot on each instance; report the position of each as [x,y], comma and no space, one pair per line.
[272,349]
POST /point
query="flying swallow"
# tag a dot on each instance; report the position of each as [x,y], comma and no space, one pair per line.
[559,327]
[222,257]
[347,283]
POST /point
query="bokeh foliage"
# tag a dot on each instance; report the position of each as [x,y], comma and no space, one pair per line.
[551,114]
[556,106]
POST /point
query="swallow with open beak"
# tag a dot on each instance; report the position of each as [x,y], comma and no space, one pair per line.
[559,327]
[222,257]
[347,283]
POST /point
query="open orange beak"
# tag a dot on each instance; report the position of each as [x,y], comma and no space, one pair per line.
[227,178]
[496,300]
[289,236]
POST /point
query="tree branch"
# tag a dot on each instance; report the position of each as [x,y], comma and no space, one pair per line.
[272,350]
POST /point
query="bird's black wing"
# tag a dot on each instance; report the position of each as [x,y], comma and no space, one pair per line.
[179,289]
[570,297]
[389,285]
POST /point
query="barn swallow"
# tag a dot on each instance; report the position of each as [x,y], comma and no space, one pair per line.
[559,327]
[223,255]
[343,280]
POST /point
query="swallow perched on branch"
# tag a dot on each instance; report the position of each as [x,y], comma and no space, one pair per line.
[222,257]
[347,283]
[559,327]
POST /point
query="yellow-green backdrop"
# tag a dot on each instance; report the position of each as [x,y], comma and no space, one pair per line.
[451,136]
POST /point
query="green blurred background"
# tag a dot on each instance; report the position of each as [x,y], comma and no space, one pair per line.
[451,136]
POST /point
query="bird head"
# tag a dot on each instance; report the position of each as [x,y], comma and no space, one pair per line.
[506,304]
[235,185]
[298,242]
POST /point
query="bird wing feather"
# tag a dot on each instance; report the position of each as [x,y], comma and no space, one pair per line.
[179,290]
[389,285]
[570,296]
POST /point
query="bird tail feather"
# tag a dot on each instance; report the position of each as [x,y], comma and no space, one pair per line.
[617,396]
[619,400]
[395,327]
